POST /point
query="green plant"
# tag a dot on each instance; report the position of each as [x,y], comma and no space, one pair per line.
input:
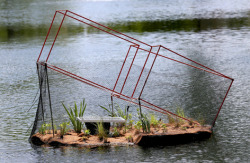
[42,129]
[118,112]
[116,132]
[177,123]
[101,131]
[153,121]
[49,128]
[164,126]
[180,112]
[130,123]
[183,127]
[171,119]
[55,129]
[145,122]
[87,132]
[138,125]
[73,113]
[63,128]
[129,138]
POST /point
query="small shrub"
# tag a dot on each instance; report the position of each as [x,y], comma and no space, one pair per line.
[55,129]
[153,121]
[130,124]
[164,126]
[138,125]
[43,128]
[116,132]
[177,123]
[129,138]
[49,128]
[145,122]
[171,119]
[180,112]
[101,131]
[63,128]
[87,132]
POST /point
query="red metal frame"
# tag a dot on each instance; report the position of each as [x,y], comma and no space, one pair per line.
[135,44]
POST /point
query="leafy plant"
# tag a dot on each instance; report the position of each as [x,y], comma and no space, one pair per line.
[101,131]
[138,125]
[145,122]
[49,128]
[118,112]
[130,123]
[116,132]
[164,126]
[55,129]
[180,112]
[73,113]
[153,121]
[171,119]
[63,128]
[87,132]
[43,128]
[129,138]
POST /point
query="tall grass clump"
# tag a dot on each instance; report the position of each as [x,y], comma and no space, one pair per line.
[101,132]
[180,112]
[145,121]
[153,121]
[63,128]
[73,113]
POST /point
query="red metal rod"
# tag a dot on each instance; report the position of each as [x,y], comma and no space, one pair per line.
[110,29]
[149,71]
[142,105]
[188,64]
[56,36]
[129,70]
[165,110]
[46,37]
[222,102]
[87,81]
[122,67]
[191,60]
[141,71]
[99,29]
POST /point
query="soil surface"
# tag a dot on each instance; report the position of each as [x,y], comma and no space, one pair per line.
[170,135]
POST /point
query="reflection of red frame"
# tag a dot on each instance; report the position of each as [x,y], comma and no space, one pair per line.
[135,44]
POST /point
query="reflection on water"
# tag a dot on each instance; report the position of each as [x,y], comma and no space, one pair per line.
[213,32]
[27,32]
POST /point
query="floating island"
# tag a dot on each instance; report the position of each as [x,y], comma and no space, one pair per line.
[159,135]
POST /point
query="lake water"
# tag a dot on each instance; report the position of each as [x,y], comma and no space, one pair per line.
[215,32]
